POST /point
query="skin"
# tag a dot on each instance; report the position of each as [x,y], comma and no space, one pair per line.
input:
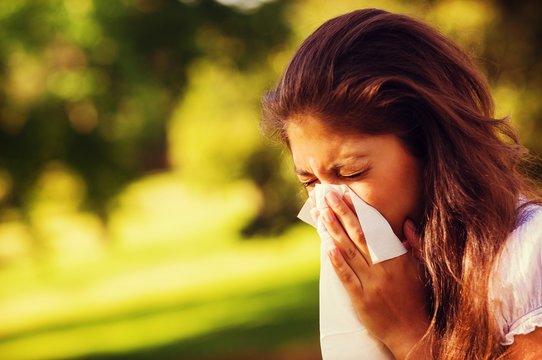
[389,297]
[527,347]
[389,177]
[381,171]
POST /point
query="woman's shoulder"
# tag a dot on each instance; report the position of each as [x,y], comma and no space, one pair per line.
[527,234]
[522,252]
[529,218]
[516,289]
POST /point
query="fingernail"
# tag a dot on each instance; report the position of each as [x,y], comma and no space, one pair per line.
[332,198]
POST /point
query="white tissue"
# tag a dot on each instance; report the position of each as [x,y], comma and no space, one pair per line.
[342,335]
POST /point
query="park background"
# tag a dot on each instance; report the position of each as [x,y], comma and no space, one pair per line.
[142,214]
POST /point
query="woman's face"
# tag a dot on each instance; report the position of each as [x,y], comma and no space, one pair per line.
[379,169]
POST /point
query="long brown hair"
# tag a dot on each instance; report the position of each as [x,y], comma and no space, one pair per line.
[380,73]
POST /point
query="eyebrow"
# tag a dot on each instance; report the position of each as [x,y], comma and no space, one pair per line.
[333,169]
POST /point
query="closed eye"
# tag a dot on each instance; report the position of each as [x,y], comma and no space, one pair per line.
[356,175]
[308,183]
[352,176]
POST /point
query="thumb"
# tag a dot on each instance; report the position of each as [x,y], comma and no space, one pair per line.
[413,239]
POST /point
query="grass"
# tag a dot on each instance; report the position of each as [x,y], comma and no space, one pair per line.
[253,297]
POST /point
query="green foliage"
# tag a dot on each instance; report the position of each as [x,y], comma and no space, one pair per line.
[91,84]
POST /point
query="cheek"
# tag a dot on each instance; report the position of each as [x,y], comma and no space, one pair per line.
[395,197]
[383,197]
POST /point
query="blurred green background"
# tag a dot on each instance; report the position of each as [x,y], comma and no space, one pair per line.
[142,214]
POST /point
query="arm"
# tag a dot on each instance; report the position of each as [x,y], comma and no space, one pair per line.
[526,347]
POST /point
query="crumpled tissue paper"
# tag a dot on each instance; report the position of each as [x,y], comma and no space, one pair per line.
[342,335]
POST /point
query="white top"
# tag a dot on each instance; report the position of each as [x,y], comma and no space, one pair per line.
[516,290]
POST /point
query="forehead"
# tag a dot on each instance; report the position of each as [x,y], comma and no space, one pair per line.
[311,141]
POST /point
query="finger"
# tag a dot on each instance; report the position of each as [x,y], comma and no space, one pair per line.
[346,274]
[350,223]
[350,251]
[348,200]
[413,239]
[315,213]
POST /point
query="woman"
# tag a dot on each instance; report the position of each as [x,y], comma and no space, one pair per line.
[388,106]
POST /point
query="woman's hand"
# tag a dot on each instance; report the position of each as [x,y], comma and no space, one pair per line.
[390,298]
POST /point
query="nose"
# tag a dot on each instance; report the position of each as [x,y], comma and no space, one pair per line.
[330,182]
[325,178]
